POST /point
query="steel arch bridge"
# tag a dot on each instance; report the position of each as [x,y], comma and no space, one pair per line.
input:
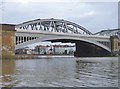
[53,25]
[55,30]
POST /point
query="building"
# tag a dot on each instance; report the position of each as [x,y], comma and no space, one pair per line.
[63,49]
[25,50]
[54,49]
[41,49]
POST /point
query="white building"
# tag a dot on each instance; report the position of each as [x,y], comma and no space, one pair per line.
[41,49]
[63,49]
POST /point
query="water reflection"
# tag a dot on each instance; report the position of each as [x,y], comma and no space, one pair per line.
[82,66]
[45,72]
[60,72]
[97,73]
[8,71]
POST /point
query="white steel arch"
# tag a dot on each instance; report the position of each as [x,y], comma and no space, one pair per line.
[53,25]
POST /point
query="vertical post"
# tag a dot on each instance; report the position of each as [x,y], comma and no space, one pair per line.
[19,39]
[16,40]
[114,45]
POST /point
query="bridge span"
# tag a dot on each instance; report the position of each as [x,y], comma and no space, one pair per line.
[59,30]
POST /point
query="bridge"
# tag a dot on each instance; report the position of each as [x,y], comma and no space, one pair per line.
[109,32]
[59,30]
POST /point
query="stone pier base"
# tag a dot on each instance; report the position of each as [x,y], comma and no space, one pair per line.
[7,41]
[114,45]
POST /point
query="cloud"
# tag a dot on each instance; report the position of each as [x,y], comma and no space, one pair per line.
[88,14]
[91,15]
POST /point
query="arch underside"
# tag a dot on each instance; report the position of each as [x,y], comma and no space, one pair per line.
[84,48]
[85,44]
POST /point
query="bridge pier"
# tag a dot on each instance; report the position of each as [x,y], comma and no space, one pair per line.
[84,49]
[114,45]
[7,36]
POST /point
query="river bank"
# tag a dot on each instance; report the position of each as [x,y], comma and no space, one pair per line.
[36,56]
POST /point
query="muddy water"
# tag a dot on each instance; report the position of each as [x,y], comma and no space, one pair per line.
[60,71]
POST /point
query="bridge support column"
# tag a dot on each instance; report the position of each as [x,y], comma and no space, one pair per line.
[114,45]
[7,41]
[84,49]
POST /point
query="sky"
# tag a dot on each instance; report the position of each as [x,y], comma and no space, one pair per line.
[94,15]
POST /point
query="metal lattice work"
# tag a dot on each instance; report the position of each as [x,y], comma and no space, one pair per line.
[109,32]
[53,25]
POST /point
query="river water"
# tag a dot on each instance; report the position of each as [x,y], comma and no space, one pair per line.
[60,71]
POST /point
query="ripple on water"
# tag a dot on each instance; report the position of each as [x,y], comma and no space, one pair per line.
[64,72]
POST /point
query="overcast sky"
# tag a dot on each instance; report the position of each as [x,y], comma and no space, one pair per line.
[94,16]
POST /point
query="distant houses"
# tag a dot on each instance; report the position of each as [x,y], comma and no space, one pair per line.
[63,49]
[41,49]
[52,49]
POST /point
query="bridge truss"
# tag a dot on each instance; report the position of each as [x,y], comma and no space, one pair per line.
[53,25]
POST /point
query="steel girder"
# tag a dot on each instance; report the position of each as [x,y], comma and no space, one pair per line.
[109,32]
[53,25]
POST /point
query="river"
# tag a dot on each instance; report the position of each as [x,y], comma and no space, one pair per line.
[60,71]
